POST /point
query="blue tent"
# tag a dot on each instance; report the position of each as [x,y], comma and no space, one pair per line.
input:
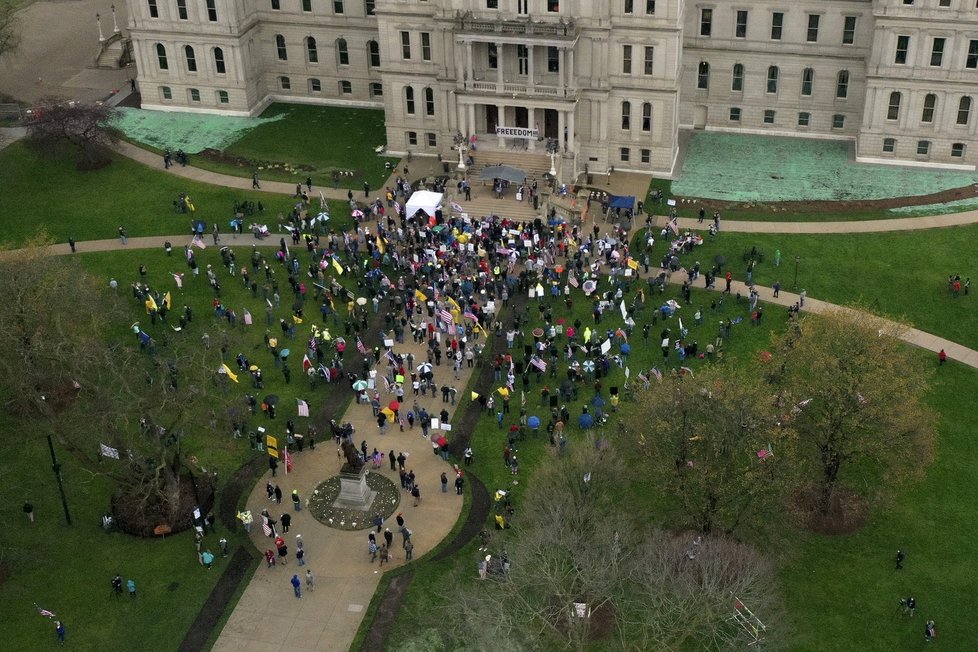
[624,201]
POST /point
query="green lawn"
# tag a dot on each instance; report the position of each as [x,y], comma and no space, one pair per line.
[901,275]
[323,138]
[92,205]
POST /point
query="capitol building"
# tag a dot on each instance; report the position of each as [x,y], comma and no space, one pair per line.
[613,82]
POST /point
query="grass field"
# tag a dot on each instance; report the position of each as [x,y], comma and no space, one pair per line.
[317,139]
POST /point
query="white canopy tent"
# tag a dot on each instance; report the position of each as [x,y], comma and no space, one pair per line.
[424,200]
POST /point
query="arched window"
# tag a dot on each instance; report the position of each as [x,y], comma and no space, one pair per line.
[737,83]
[930,103]
[219,61]
[429,101]
[893,108]
[161,56]
[772,79]
[373,48]
[626,116]
[409,100]
[964,110]
[283,54]
[342,53]
[647,116]
[191,59]
[703,75]
[312,51]
[807,81]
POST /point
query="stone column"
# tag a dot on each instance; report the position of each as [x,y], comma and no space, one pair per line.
[460,113]
[501,121]
[468,64]
[470,124]
[570,130]
[529,62]
[570,68]
[560,129]
[500,61]
[560,72]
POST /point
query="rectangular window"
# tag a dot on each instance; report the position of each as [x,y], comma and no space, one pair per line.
[337,6]
[769,117]
[772,79]
[842,85]
[626,59]
[154,10]
[957,150]
[903,45]
[927,114]
[923,147]
[307,5]
[737,80]
[315,86]
[741,28]
[412,138]
[889,145]
[647,156]
[376,89]
[706,22]
[492,4]
[944,3]
[649,58]
[647,117]
[838,121]
[553,59]
[937,51]
[849,30]
[368,7]
[972,60]
[777,25]
[405,45]
[492,55]
[276,5]
[629,7]
[522,7]
[432,139]
[426,46]
[523,59]
[429,101]
[649,7]
[626,116]
[182,9]
[734,114]
[166,92]
[812,35]
[194,95]
[804,118]
[346,87]
[285,83]
[625,154]
[553,6]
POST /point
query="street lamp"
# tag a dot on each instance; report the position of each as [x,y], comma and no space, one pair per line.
[797,260]
[461,144]
[553,147]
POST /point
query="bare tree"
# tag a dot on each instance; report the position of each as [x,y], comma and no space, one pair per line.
[9,28]
[86,128]
[585,569]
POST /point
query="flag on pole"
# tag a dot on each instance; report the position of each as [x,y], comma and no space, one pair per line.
[537,362]
[306,362]
[420,296]
[469,315]
[179,280]
[303,408]
[288,461]
[337,266]
[360,346]
[230,374]
[167,300]
[674,226]
[108,451]
[446,316]
[198,242]
[247,318]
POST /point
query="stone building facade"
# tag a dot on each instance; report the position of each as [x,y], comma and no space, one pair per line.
[613,81]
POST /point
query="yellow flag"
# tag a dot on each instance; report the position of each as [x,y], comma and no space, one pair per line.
[296,319]
[380,245]
[420,296]
[230,373]
[475,396]
[454,304]
[150,304]
[167,301]
[337,266]
[633,263]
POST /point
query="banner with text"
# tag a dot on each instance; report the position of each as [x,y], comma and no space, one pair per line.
[517,132]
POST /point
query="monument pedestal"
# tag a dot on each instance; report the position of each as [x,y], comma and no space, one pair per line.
[354,492]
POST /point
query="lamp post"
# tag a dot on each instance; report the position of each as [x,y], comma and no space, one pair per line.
[461,144]
[56,467]
[115,24]
[98,21]
[553,147]
[797,260]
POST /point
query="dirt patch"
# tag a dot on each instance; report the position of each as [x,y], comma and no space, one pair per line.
[140,519]
[390,606]
[847,513]
[842,206]
[210,614]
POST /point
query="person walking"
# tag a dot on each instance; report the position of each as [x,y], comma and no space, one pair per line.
[942,357]
[408,550]
[29,511]
[296,500]
[123,236]
[286,521]
[59,630]
[278,494]
[416,492]
[388,538]
[900,556]
[254,181]
[444,482]
[372,550]
[71,243]
[296,586]
[131,585]
[310,581]
[459,483]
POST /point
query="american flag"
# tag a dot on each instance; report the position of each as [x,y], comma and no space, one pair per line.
[573,280]
[446,316]
[360,347]
[45,612]
[470,315]
[537,362]
[303,408]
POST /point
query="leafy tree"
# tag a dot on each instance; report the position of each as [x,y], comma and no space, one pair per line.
[854,395]
[86,128]
[709,437]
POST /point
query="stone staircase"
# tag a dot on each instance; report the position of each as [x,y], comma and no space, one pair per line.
[484,203]
[111,52]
